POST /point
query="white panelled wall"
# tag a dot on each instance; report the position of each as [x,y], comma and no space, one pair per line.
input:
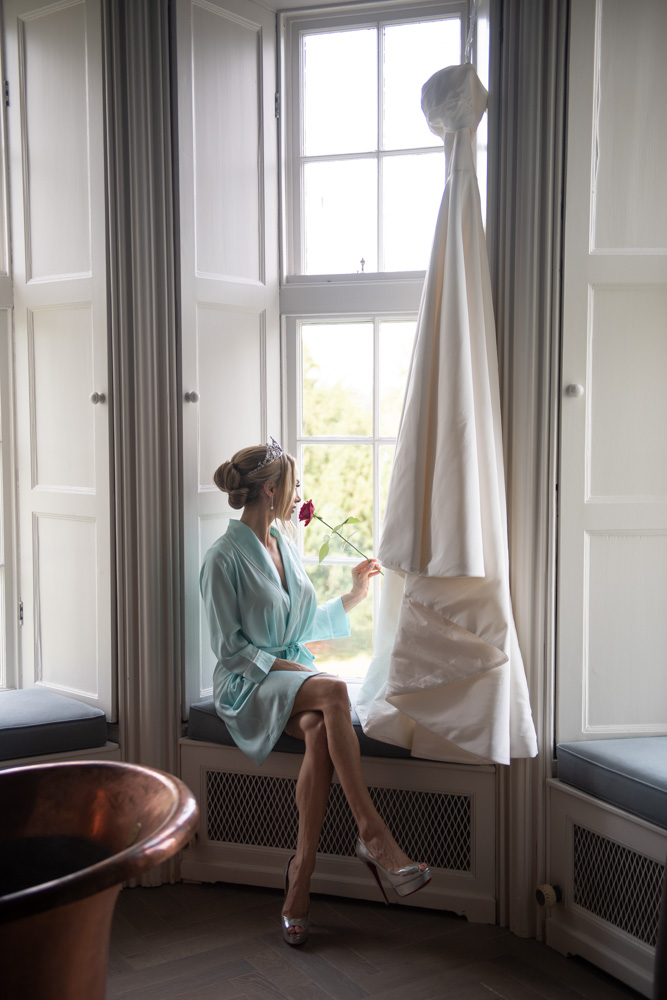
[612,587]
[57,174]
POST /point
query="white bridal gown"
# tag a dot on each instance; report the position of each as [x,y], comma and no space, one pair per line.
[447,678]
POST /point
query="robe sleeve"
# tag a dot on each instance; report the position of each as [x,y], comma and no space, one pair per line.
[230,646]
[330,622]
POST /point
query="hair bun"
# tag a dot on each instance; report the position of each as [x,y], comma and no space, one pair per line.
[244,477]
[227,477]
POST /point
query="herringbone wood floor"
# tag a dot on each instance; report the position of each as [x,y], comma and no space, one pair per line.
[218,942]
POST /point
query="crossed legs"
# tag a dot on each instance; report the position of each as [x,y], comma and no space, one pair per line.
[312,796]
[321,717]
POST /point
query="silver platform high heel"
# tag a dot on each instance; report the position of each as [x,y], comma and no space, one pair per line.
[288,922]
[403,882]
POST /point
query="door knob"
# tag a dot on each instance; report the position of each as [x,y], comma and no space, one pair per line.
[97,397]
[574,390]
[192,397]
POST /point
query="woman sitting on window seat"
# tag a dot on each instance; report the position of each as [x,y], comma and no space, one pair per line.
[261,610]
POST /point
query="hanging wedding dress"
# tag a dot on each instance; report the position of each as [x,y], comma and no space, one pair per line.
[447,678]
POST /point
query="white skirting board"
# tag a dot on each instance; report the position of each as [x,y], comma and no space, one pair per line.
[247,831]
[608,865]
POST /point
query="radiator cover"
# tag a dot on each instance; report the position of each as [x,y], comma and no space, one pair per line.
[260,811]
[444,814]
[609,866]
[617,884]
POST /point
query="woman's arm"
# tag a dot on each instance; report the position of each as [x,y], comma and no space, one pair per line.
[361,579]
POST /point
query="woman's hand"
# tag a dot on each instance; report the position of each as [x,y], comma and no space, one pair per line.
[361,579]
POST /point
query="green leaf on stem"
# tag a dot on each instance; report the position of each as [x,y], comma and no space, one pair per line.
[324,550]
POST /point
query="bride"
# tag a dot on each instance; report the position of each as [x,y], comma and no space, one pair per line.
[262,610]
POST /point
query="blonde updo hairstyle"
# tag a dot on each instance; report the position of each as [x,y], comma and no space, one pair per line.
[244,483]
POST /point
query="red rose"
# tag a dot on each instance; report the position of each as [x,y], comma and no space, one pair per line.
[307,512]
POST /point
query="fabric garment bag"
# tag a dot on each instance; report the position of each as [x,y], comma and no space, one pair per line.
[447,679]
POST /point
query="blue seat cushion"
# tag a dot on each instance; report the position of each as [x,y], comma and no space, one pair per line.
[628,773]
[205,724]
[35,721]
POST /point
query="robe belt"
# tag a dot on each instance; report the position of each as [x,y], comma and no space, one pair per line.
[296,651]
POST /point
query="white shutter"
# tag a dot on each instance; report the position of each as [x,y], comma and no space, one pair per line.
[611,676]
[228,190]
[56,169]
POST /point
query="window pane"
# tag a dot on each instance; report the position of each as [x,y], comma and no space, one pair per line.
[339,481]
[348,657]
[340,205]
[386,461]
[396,340]
[340,92]
[337,363]
[412,54]
[413,188]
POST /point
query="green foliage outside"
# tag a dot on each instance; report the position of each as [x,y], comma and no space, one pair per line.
[332,581]
[339,480]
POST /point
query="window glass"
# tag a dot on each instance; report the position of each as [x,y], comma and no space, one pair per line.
[413,53]
[340,207]
[340,92]
[395,344]
[351,388]
[337,375]
[339,480]
[346,657]
[386,461]
[412,190]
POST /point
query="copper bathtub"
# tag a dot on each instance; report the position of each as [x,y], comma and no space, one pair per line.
[70,835]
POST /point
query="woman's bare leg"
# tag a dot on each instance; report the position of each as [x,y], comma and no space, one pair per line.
[329,696]
[312,796]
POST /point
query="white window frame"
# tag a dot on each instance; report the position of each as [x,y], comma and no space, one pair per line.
[360,297]
[291,27]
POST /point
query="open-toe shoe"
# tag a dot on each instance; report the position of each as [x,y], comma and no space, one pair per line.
[403,882]
[294,938]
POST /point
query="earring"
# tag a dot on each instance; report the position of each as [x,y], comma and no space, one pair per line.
[271,507]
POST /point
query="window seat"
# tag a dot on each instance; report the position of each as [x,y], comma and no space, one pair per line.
[36,725]
[205,724]
[630,774]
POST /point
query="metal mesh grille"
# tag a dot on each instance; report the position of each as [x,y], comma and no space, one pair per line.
[617,884]
[261,811]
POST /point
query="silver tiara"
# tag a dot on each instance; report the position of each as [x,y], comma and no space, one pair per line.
[273,451]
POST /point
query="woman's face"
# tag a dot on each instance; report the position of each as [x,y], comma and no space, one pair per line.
[297,497]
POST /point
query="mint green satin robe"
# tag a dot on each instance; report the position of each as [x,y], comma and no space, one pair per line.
[252,620]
